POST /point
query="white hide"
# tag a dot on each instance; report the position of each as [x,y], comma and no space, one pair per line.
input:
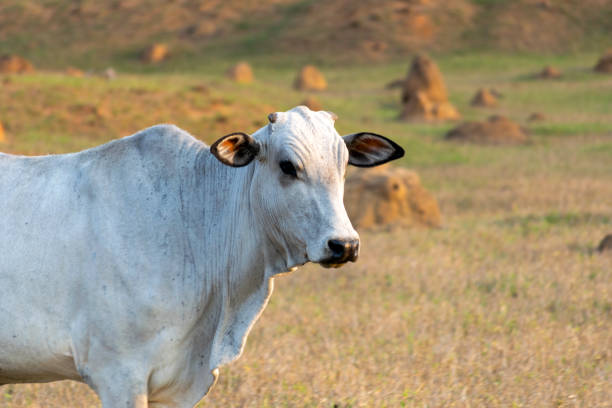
[140,266]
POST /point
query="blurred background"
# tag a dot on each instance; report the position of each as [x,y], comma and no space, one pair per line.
[485,277]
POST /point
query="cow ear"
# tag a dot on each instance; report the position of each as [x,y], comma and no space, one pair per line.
[236,149]
[369,149]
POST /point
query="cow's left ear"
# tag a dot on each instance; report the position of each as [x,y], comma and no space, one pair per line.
[369,149]
[236,149]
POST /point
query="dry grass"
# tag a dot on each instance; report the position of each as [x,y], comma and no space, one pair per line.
[507,305]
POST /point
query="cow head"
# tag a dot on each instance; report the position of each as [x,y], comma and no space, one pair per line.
[297,184]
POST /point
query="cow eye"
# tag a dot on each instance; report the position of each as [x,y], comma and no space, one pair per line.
[288,168]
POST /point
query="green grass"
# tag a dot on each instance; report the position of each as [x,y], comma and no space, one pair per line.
[605,149]
[573,105]
[561,129]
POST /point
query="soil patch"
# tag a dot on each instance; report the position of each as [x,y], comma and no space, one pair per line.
[74,72]
[310,79]
[424,95]
[605,63]
[14,64]
[389,196]
[313,103]
[155,53]
[495,130]
[606,244]
[536,117]
[484,98]
[549,72]
[241,73]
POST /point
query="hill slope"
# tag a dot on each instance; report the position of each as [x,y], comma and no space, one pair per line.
[93,33]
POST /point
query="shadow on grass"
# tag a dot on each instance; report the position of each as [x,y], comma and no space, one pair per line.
[540,223]
[583,73]
[567,129]
[551,219]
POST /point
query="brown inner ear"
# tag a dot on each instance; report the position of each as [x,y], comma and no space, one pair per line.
[233,142]
[235,149]
[370,150]
[368,145]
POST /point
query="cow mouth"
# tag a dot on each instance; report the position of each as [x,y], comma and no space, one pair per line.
[336,262]
[332,264]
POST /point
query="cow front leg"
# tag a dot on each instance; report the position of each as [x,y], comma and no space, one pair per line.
[120,389]
[120,401]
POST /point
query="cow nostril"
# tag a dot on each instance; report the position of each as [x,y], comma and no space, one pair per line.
[354,245]
[338,247]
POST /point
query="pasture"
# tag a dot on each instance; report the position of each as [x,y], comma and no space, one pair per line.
[507,305]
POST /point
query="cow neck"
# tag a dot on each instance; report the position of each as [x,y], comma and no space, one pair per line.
[234,259]
[232,223]
[228,237]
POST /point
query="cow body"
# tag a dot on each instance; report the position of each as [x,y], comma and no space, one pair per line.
[110,252]
[140,266]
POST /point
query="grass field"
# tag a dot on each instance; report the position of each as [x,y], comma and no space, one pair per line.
[507,305]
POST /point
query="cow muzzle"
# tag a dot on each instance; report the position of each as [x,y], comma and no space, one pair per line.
[342,251]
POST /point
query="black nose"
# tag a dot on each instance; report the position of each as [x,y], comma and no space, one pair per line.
[343,250]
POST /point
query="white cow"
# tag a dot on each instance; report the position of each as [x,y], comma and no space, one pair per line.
[139,266]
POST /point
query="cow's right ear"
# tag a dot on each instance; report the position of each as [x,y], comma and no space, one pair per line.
[368,149]
[236,149]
